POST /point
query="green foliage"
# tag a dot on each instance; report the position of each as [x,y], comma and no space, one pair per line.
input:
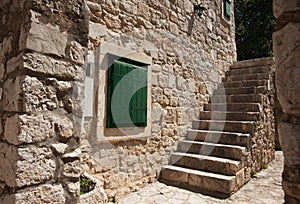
[254,27]
[265,166]
[86,185]
[253,173]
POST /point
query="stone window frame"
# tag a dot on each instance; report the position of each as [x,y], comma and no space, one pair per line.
[225,19]
[119,134]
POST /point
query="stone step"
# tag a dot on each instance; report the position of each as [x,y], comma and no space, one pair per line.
[233,107]
[227,126]
[237,98]
[219,115]
[267,61]
[248,83]
[212,184]
[242,90]
[230,138]
[249,70]
[213,149]
[247,77]
[206,163]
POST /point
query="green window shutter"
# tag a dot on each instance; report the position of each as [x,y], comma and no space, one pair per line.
[227,10]
[126,95]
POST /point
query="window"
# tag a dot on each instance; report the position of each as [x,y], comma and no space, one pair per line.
[126,93]
[227,10]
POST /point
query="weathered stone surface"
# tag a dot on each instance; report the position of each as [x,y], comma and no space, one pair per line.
[25,166]
[15,63]
[76,52]
[184,52]
[96,31]
[286,50]
[46,39]
[73,155]
[31,95]
[280,6]
[41,194]
[287,67]
[40,40]
[72,169]
[35,166]
[27,129]
[8,158]
[97,195]
[157,113]
[52,67]
[59,148]
[290,143]
[64,127]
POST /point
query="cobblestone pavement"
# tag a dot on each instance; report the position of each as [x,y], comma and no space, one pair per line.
[264,188]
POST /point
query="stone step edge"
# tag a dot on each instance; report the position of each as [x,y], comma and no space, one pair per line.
[235,72]
[244,87]
[204,163]
[226,121]
[220,132]
[197,189]
[264,81]
[213,144]
[198,172]
[266,61]
[235,112]
[218,136]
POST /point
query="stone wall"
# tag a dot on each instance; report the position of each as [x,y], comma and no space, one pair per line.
[286,49]
[43,46]
[190,55]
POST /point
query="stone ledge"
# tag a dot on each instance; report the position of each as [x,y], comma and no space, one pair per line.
[266,61]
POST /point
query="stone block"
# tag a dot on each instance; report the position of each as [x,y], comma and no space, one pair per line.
[64,127]
[287,67]
[2,70]
[27,129]
[46,38]
[25,166]
[35,166]
[172,81]
[280,6]
[171,116]
[42,194]
[15,63]
[109,163]
[31,95]
[72,169]
[76,52]
[163,81]
[8,158]
[45,65]
[157,113]
[291,189]
[154,79]
[173,175]
[59,148]
[181,85]
[289,135]
[11,102]
[96,31]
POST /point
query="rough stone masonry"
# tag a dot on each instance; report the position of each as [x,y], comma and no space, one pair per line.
[42,52]
[190,54]
[287,74]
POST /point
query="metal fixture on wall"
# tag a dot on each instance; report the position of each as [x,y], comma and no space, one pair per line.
[199,9]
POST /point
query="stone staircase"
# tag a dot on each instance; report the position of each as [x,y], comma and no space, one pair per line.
[223,147]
